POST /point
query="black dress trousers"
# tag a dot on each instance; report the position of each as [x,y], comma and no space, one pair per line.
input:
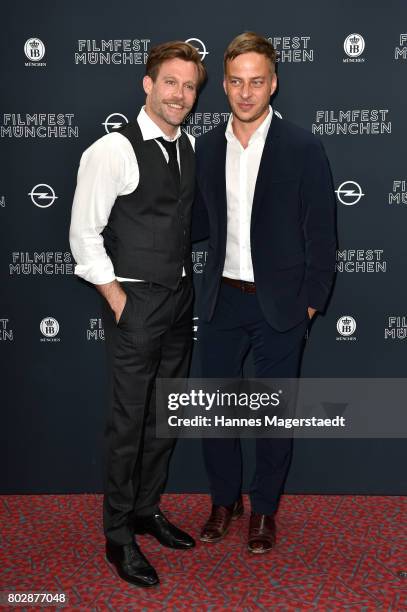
[239,325]
[153,338]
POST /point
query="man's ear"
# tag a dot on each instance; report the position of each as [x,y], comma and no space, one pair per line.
[274,81]
[224,85]
[147,84]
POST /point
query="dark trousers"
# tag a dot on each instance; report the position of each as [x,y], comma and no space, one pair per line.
[238,325]
[152,339]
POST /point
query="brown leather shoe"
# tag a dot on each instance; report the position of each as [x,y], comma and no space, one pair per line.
[262,533]
[217,526]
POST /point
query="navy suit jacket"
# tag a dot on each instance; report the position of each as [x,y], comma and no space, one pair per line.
[293,228]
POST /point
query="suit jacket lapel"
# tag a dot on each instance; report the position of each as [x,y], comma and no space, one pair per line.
[218,170]
[269,167]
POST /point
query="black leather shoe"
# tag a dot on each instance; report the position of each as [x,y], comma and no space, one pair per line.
[131,564]
[166,533]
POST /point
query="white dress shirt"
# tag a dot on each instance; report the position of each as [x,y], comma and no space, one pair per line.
[242,167]
[108,169]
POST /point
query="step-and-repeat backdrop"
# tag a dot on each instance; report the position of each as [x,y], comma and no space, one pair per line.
[72,72]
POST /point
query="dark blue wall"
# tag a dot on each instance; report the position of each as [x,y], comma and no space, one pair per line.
[53,388]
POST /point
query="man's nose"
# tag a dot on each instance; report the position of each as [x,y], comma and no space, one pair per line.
[178,92]
[245,91]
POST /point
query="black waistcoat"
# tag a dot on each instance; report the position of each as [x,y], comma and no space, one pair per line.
[148,232]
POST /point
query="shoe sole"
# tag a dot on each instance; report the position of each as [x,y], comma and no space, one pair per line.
[214,540]
[255,551]
[140,584]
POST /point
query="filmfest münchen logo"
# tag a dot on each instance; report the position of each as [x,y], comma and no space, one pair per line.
[38,125]
[5,332]
[197,124]
[346,327]
[95,330]
[361,260]
[114,122]
[198,261]
[400,52]
[199,46]
[398,195]
[42,195]
[354,45]
[349,193]
[396,328]
[351,121]
[49,328]
[45,263]
[293,49]
[116,51]
[34,50]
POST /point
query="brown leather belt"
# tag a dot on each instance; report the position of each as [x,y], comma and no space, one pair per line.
[244,286]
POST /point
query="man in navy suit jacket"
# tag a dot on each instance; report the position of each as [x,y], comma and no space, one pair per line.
[265,199]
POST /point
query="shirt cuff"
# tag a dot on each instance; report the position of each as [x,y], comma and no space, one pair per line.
[97,274]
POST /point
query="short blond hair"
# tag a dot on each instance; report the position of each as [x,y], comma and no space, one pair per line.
[250,42]
[171,50]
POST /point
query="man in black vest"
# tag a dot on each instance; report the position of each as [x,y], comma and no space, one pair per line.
[130,236]
[266,200]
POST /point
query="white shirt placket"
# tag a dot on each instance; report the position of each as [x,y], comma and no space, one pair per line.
[243,209]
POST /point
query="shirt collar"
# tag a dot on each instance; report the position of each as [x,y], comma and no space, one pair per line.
[150,130]
[261,131]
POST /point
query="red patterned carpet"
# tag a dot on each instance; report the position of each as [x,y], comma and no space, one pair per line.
[333,553]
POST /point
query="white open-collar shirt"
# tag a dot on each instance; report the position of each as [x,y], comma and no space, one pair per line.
[242,167]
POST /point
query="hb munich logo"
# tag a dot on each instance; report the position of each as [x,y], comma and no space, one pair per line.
[114,122]
[349,193]
[34,49]
[42,195]
[199,46]
[354,45]
[346,325]
[49,327]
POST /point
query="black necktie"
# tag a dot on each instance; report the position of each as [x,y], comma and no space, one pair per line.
[171,148]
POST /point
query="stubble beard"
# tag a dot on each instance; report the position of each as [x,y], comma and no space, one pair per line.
[251,119]
[162,113]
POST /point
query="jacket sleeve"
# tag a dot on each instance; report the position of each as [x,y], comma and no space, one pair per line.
[319,218]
